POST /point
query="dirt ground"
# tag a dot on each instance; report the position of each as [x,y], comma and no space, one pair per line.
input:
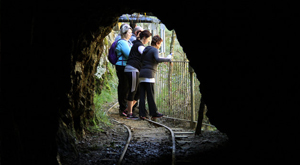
[150,144]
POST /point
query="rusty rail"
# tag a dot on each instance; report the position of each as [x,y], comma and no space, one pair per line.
[128,139]
[127,142]
[173,138]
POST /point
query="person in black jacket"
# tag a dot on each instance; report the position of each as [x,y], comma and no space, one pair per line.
[150,60]
[132,71]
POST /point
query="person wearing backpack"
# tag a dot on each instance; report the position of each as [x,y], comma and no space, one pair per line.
[122,51]
[132,71]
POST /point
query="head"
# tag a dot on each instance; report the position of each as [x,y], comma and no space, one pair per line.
[137,33]
[132,24]
[156,41]
[145,36]
[125,31]
[137,29]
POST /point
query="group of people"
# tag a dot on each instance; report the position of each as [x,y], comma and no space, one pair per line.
[136,68]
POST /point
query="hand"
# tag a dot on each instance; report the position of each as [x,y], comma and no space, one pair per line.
[169,56]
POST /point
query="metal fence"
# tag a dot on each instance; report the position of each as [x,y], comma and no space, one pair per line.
[177,92]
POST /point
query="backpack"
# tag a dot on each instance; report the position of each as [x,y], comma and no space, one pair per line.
[112,54]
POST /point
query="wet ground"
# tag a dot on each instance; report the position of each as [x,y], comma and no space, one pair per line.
[150,144]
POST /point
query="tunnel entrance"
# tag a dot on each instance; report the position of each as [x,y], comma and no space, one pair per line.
[177,90]
[184,97]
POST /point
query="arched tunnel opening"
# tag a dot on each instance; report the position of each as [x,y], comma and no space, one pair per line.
[180,89]
[173,99]
[49,54]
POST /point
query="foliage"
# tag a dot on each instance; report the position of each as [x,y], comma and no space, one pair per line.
[105,88]
[178,55]
[105,97]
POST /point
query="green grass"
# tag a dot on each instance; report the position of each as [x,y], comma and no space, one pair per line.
[102,100]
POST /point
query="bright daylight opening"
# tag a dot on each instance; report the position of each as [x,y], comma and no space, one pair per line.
[177,92]
[171,101]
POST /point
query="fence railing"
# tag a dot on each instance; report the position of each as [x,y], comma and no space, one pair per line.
[177,92]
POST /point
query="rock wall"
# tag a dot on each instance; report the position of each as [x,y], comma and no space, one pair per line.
[241,51]
[52,50]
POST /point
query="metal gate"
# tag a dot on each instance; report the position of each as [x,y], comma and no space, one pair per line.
[176,90]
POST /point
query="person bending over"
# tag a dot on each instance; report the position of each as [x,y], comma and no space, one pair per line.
[150,60]
[132,70]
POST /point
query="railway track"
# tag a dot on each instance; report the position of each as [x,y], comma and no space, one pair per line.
[144,134]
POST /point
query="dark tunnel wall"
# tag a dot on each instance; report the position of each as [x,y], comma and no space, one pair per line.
[242,53]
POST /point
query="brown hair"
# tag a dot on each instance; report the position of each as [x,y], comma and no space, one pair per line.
[145,33]
[137,32]
[156,40]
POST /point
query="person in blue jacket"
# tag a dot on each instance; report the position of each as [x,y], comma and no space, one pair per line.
[123,49]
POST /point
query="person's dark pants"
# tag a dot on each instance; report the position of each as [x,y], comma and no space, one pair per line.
[122,88]
[147,89]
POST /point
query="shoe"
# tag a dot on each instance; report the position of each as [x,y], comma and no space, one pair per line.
[131,116]
[143,118]
[157,115]
[124,113]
